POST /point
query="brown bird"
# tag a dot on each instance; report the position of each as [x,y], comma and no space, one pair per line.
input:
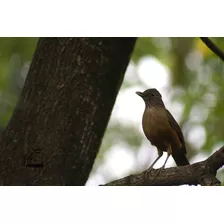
[161,129]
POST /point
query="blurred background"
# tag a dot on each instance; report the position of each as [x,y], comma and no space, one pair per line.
[188,75]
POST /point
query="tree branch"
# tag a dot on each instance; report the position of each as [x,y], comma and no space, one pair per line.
[213,47]
[203,173]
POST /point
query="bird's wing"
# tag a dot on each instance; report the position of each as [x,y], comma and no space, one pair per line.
[176,127]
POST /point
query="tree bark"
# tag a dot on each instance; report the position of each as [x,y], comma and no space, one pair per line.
[203,173]
[56,129]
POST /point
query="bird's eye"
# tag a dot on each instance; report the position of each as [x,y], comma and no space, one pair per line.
[153,94]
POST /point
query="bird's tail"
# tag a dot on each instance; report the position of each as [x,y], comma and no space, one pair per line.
[180,157]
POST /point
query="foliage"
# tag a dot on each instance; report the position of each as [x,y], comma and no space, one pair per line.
[197,81]
[198,73]
[15,57]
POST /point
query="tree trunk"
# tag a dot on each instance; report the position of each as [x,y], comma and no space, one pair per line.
[56,129]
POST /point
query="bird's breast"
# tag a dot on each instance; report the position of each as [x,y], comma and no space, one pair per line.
[156,126]
[154,119]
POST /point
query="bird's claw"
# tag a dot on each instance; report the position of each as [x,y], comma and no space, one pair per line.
[148,173]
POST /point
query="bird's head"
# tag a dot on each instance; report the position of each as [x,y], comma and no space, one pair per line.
[151,97]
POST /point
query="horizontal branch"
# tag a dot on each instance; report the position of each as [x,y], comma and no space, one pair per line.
[213,47]
[203,173]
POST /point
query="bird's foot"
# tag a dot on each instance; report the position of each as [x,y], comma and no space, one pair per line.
[158,172]
[148,173]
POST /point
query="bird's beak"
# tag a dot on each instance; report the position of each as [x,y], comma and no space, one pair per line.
[140,94]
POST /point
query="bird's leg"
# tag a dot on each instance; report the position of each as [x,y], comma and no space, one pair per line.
[160,153]
[169,152]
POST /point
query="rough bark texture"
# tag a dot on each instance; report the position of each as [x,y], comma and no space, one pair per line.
[56,129]
[203,173]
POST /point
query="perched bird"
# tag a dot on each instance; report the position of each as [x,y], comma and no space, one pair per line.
[161,129]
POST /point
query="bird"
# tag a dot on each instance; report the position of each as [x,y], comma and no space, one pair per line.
[161,129]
